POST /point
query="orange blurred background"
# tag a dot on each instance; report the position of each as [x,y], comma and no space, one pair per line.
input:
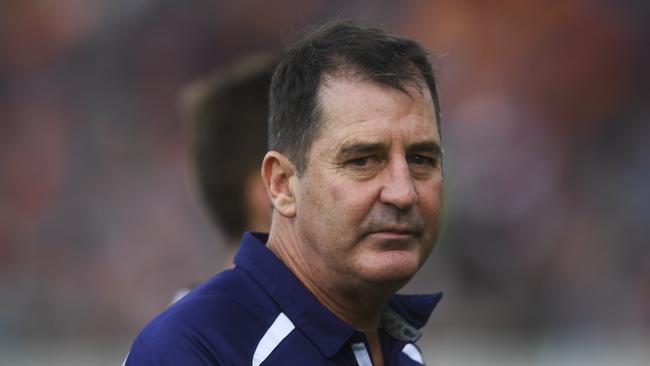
[545,256]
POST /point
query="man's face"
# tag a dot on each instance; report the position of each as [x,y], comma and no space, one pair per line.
[368,204]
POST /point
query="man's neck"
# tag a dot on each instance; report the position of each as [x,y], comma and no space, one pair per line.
[360,307]
[375,348]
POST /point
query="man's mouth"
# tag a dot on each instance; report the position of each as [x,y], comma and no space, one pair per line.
[394,233]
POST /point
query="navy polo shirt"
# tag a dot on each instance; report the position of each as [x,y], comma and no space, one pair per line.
[259,313]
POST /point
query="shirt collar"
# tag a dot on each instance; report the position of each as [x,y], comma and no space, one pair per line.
[405,315]
[314,320]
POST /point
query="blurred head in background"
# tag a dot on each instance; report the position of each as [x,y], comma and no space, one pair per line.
[227,119]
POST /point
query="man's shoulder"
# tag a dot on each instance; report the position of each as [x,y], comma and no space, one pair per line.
[222,317]
[231,296]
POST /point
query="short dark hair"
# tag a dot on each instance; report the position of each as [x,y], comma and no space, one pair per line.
[370,53]
[227,124]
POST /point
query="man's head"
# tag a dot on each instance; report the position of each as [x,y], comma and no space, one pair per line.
[337,49]
[354,171]
[227,116]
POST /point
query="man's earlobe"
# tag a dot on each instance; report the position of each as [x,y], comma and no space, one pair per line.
[277,174]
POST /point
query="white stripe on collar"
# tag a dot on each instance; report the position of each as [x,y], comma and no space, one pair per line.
[413,353]
[277,332]
[361,354]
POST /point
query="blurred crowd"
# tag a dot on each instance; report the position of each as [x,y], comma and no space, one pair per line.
[547,160]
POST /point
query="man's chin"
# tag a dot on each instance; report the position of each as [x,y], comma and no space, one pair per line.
[393,267]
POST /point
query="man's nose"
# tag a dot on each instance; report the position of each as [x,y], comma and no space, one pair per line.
[398,187]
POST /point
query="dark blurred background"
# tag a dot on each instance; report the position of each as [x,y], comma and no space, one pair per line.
[545,257]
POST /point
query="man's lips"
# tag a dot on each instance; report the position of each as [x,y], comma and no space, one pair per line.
[394,233]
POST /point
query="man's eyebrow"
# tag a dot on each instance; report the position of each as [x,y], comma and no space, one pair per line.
[426,147]
[360,148]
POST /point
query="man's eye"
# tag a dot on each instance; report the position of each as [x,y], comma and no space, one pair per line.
[359,161]
[422,160]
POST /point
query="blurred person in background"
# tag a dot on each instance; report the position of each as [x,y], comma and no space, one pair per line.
[354,176]
[227,121]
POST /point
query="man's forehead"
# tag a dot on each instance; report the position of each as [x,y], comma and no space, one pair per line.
[362,112]
[356,99]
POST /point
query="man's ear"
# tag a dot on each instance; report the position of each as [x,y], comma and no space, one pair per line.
[278,173]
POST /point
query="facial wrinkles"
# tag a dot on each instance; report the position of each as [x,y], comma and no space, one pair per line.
[383,217]
[376,125]
[369,131]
